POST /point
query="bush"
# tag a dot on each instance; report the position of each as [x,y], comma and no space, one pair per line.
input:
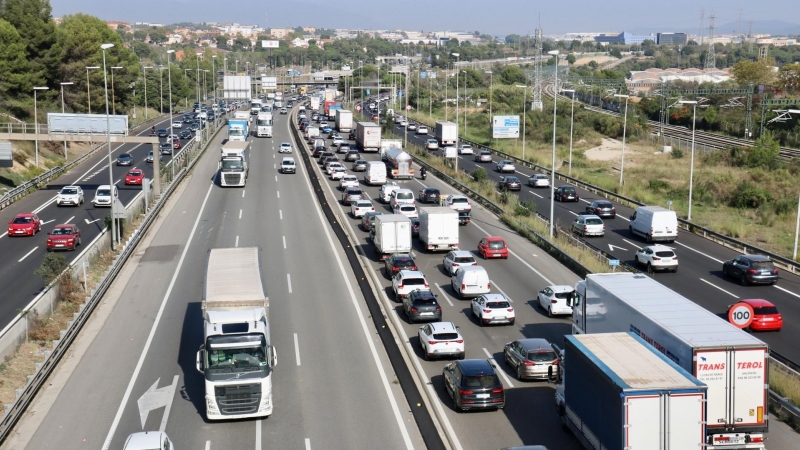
[658,185]
[51,268]
[480,174]
[748,195]
[785,206]
[677,153]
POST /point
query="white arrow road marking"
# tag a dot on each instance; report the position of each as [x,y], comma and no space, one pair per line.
[629,242]
[612,247]
[88,223]
[155,398]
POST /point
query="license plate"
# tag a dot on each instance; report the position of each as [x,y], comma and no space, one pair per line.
[59,245]
[768,319]
[500,317]
[426,314]
[482,396]
[20,231]
[496,255]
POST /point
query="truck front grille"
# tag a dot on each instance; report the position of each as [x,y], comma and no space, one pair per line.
[232,178]
[238,398]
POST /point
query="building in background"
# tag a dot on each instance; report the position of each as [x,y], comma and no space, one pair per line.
[623,38]
[672,38]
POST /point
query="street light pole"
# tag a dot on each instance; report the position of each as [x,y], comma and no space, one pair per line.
[624,132]
[113,97]
[571,124]
[108,146]
[161,87]
[88,90]
[64,83]
[691,164]
[214,71]
[553,172]
[171,129]
[524,113]
[198,76]
[36,119]
[144,69]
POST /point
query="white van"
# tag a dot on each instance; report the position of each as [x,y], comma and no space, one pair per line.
[102,196]
[385,194]
[470,281]
[376,173]
[448,152]
[654,223]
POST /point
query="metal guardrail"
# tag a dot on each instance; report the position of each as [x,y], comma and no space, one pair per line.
[34,183]
[719,238]
[37,380]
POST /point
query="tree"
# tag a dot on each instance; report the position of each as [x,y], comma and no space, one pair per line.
[222,42]
[14,83]
[756,72]
[158,36]
[512,75]
[789,77]
[34,23]
[571,59]
[615,53]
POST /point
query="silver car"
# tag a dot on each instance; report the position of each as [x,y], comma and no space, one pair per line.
[483,156]
[457,258]
[506,166]
[588,225]
[531,358]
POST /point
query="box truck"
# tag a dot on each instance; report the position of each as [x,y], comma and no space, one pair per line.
[233,163]
[368,136]
[731,362]
[344,120]
[391,233]
[438,228]
[237,356]
[446,133]
[616,392]
[237,130]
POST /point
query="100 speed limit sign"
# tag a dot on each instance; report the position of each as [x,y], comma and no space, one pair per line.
[740,315]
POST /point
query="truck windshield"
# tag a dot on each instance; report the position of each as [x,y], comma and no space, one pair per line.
[232,166]
[264,122]
[232,354]
[235,132]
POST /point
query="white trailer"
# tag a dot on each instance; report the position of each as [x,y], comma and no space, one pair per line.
[368,136]
[237,356]
[392,234]
[731,362]
[438,228]
[446,133]
[344,120]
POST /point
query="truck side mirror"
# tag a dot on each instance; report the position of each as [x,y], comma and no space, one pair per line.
[273,361]
[199,361]
[571,299]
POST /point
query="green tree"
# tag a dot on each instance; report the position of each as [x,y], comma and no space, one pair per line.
[14,83]
[571,59]
[764,153]
[615,53]
[158,36]
[756,72]
[789,77]
[512,75]
[36,28]
[222,42]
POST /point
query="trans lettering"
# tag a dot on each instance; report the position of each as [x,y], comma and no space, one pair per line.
[655,344]
[717,366]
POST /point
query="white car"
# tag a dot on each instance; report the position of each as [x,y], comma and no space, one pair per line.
[177,124]
[657,257]
[172,137]
[412,126]
[285,148]
[493,308]
[457,258]
[406,209]
[102,196]
[338,140]
[553,299]
[386,191]
[439,339]
[348,181]
[458,202]
[506,166]
[329,169]
[464,149]
[403,122]
[398,119]
[588,225]
[422,129]
[70,195]
[431,144]
[361,207]
[337,173]
[539,180]
[406,281]
[400,196]
[148,440]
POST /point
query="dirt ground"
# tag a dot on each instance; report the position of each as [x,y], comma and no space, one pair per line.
[609,150]
[598,59]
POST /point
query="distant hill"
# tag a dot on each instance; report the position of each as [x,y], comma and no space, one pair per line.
[772,27]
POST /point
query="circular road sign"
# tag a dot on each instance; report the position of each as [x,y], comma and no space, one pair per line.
[358,107]
[740,315]
[408,107]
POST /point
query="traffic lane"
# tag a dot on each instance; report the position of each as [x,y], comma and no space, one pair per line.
[491,338]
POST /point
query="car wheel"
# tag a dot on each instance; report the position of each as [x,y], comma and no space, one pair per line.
[519,372]
[636,260]
[550,312]
[675,270]
[743,280]
[724,272]
[649,267]
[630,230]
[464,355]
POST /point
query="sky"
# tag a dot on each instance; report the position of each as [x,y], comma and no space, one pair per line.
[487,16]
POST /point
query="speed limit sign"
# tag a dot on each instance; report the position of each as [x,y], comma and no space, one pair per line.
[740,315]
[358,107]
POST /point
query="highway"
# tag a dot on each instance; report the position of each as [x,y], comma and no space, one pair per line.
[23,255]
[333,386]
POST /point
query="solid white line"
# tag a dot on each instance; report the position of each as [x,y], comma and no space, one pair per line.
[444,294]
[308,444]
[27,254]
[284,242]
[723,290]
[45,205]
[629,242]
[585,201]
[289,280]
[623,218]
[258,434]
[70,219]
[697,251]
[274,166]
[1,235]
[296,350]
[786,290]
[512,253]
[237,242]
[280,213]
[501,291]
[149,341]
[534,193]
[499,370]
[242,193]
[240,213]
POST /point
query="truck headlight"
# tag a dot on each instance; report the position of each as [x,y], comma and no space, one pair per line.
[265,402]
[211,405]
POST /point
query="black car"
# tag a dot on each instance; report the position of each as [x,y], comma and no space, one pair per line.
[602,208]
[162,133]
[464,217]
[165,148]
[422,305]
[397,262]
[566,194]
[188,118]
[429,195]
[414,227]
[352,136]
[473,384]
[509,184]
[185,134]
[125,159]
[751,269]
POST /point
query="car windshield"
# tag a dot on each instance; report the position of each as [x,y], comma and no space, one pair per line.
[497,305]
[459,200]
[512,180]
[404,195]
[408,208]
[488,380]
[496,244]
[288,163]
[364,205]
[354,192]
[23,220]
[765,310]
[124,157]
[135,174]
[62,231]
[69,191]
[594,222]
[542,355]
[445,336]
[763,265]
[104,192]
[464,259]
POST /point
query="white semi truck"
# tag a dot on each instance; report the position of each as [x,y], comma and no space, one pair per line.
[233,163]
[446,133]
[730,361]
[237,357]
[264,124]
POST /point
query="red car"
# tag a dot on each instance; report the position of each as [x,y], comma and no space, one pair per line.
[176,143]
[135,176]
[765,315]
[493,247]
[374,117]
[26,224]
[64,237]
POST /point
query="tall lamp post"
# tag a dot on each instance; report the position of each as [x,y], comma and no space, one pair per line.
[64,83]
[458,76]
[553,167]
[171,122]
[104,47]
[797,224]
[199,54]
[571,124]
[161,87]
[524,113]
[489,72]
[36,119]
[624,132]
[214,72]
[88,90]
[113,96]
[144,70]
[691,164]
[225,65]
[205,86]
